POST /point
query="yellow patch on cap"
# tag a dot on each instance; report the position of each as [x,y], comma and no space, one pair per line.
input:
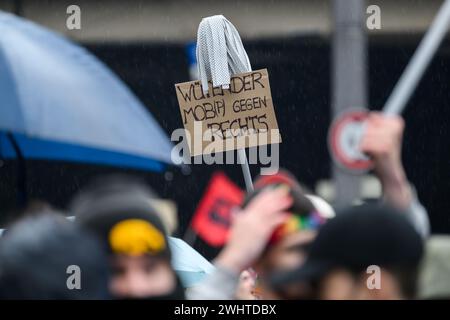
[136,237]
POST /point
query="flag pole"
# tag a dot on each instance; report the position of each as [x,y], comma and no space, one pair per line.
[220,54]
[245,169]
[419,62]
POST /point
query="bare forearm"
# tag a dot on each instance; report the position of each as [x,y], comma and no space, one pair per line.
[396,188]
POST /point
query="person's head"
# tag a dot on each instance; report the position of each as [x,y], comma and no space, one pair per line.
[287,248]
[119,211]
[366,252]
[44,256]
[434,276]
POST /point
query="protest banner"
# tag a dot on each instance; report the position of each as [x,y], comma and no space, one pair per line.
[239,117]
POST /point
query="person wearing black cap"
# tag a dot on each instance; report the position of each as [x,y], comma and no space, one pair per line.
[119,211]
[365,252]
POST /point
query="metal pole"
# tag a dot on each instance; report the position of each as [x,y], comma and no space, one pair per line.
[419,62]
[245,169]
[349,79]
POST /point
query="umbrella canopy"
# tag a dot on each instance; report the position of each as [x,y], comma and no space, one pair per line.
[57,101]
[189,265]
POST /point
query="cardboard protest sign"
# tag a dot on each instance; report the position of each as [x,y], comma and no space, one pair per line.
[212,219]
[228,119]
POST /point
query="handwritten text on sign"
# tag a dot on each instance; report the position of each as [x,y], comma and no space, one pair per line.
[238,117]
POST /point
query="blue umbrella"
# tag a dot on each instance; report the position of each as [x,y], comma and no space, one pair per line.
[58,102]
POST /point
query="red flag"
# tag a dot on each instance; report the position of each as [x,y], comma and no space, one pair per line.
[212,219]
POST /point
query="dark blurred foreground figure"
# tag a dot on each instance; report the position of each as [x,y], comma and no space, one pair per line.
[434,280]
[366,252]
[41,257]
[119,211]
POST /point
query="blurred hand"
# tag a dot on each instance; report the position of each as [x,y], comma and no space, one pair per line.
[382,141]
[252,228]
[246,286]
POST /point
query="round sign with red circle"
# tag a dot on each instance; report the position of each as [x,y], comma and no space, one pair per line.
[343,141]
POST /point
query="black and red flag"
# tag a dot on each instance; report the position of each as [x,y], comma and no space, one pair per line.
[212,218]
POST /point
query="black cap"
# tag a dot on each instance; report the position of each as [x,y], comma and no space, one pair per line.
[118,209]
[357,238]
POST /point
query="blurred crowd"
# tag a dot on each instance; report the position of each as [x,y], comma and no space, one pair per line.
[284,242]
